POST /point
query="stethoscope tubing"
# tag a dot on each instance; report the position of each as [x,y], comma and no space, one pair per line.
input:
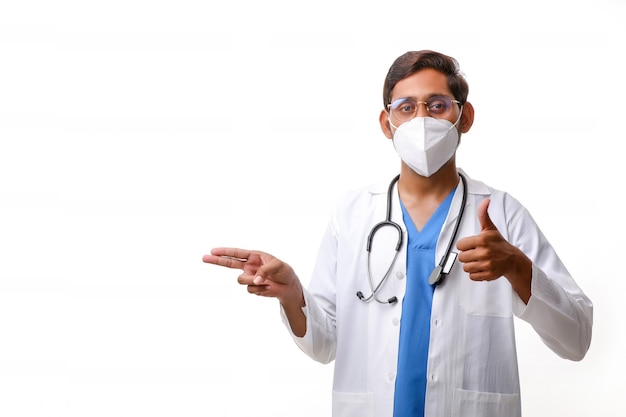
[437,275]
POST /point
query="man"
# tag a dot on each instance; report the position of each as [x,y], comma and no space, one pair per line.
[416,283]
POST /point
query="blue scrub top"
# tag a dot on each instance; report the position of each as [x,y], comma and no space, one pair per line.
[410,392]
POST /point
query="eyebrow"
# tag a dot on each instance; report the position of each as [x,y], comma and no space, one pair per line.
[415,99]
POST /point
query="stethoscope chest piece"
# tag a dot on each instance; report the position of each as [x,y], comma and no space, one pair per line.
[443,269]
[436,276]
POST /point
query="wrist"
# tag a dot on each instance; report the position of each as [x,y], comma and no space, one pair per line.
[521,276]
[294,298]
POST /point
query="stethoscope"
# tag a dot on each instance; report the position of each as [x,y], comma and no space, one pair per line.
[441,270]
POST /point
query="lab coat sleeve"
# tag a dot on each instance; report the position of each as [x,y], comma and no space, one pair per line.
[320,340]
[558,309]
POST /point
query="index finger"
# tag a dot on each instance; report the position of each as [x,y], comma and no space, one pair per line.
[227,257]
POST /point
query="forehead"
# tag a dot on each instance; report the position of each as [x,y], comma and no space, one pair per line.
[422,85]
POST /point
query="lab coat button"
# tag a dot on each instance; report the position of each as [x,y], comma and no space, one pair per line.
[400,275]
[395,321]
[391,376]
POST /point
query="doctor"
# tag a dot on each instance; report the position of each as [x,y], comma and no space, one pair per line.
[418,311]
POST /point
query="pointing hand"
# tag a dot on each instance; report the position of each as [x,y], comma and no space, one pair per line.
[268,276]
[262,273]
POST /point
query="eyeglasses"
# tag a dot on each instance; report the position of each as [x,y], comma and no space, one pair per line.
[405,109]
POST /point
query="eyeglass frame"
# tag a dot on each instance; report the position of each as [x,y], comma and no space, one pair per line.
[425,103]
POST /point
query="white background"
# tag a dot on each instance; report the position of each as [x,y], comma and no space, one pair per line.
[136,135]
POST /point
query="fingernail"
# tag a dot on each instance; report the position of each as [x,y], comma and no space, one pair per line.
[258,280]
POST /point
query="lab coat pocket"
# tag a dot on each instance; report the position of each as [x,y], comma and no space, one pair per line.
[485,404]
[353,404]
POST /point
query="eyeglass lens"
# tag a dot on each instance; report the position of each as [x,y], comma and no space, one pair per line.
[404,109]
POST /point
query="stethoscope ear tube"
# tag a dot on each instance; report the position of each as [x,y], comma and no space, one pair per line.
[438,274]
[387,221]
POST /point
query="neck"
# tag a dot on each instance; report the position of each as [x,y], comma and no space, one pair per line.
[437,186]
[422,195]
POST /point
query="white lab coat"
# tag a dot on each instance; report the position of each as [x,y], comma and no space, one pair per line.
[472,362]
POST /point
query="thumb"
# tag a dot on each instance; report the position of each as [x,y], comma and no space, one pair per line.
[483,216]
[271,266]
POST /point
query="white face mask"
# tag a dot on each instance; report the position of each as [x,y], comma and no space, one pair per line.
[425,144]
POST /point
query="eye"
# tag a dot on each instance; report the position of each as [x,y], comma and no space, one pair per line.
[407,108]
[403,106]
[438,105]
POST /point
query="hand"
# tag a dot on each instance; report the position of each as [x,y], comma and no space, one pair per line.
[262,273]
[488,256]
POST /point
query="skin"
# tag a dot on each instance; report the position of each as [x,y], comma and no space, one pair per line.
[267,276]
[486,256]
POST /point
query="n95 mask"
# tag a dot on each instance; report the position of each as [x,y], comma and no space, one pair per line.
[425,144]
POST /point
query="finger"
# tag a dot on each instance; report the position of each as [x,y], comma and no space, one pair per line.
[474,271]
[467,254]
[259,290]
[272,270]
[466,243]
[253,280]
[245,279]
[483,216]
[239,254]
[228,257]
[480,270]
[482,276]
[223,261]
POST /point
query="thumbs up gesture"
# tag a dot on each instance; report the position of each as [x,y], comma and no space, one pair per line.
[488,256]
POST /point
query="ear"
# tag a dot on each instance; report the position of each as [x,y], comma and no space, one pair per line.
[383,119]
[467,118]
